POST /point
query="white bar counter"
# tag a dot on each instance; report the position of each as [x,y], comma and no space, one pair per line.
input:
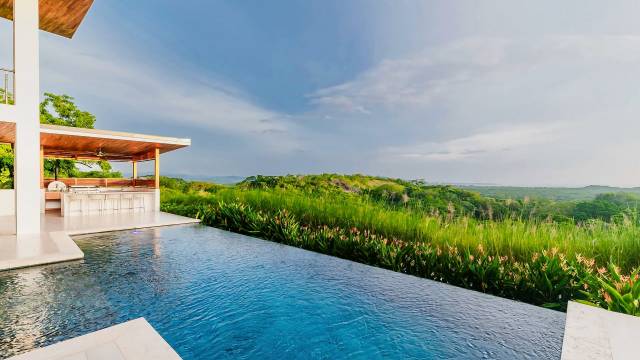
[75,203]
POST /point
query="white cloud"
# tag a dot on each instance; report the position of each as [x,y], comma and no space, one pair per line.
[497,109]
[481,144]
[169,95]
[436,73]
[472,101]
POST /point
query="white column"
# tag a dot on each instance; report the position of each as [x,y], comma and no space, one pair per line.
[157,180]
[27,98]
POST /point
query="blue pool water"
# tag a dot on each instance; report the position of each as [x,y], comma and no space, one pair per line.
[214,294]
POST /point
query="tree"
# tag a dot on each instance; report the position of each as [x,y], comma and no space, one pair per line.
[54,110]
[59,166]
[61,110]
[66,112]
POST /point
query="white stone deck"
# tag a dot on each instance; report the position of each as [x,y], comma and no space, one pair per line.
[54,243]
[135,339]
[592,333]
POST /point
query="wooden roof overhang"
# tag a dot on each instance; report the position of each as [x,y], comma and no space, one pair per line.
[61,17]
[86,144]
[90,144]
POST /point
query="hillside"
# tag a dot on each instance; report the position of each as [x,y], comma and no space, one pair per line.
[482,203]
[554,193]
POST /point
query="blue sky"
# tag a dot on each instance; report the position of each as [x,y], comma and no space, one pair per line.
[540,93]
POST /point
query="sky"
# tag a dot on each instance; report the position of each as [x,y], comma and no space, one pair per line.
[492,92]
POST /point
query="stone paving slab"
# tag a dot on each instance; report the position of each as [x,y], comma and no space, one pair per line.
[135,339]
[54,243]
[592,333]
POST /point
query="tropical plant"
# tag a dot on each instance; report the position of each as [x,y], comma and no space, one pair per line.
[542,271]
[610,289]
[6,166]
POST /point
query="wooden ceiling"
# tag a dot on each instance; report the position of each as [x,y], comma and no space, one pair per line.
[62,17]
[7,132]
[91,144]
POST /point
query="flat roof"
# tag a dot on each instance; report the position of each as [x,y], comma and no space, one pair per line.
[61,17]
[93,144]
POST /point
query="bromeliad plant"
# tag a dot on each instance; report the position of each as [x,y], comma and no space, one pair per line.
[610,289]
[547,278]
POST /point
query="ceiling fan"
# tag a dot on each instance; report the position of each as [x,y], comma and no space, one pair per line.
[111,156]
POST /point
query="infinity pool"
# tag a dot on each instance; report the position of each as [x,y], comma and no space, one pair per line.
[215,294]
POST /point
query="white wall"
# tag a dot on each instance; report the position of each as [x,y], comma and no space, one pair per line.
[7,202]
[28,199]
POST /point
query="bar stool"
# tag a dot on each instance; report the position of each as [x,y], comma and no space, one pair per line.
[79,201]
[126,201]
[112,202]
[139,202]
[96,199]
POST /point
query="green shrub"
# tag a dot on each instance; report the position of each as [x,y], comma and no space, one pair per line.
[545,274]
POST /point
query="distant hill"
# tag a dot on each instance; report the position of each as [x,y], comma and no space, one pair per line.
[356,182]
[478,201]
[554,193]
[226,180]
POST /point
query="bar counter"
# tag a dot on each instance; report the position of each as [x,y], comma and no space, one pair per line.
[75,203]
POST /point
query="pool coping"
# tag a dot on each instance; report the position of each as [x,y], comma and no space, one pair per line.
[592,333]
[68,250]
[135,339]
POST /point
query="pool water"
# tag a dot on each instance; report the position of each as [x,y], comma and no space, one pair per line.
[214,294]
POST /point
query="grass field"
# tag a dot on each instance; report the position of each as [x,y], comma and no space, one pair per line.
[604,242]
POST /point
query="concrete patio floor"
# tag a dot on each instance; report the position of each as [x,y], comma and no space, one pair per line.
[54,243]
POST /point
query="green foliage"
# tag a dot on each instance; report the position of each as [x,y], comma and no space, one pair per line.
[607,207]
[551,193]
[613,290]
[6,167]
[530,250]
[61,110]
[65,112]
[58,110]
[448,201]
[9,97]
[98,174]
[519,238]
[60,168]
[544,275]
[188,186]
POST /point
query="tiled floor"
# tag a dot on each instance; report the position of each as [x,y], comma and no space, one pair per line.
[135,339]
[592,333]
[53,244]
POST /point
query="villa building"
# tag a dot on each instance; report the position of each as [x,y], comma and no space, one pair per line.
[38,214]
[32,142]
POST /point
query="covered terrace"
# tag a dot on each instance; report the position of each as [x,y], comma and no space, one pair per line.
[97,195]
[91,205]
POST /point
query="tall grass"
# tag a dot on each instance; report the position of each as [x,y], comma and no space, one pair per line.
[517,238]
